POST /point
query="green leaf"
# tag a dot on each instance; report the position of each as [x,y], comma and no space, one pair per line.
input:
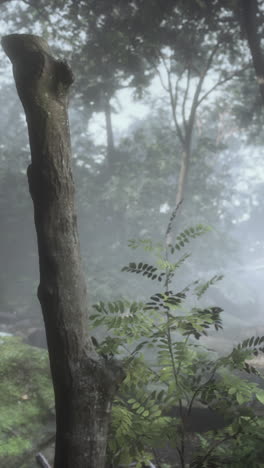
[241,398]
[260,396]
[135,406]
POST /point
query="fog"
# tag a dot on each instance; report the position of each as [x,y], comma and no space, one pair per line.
[133,197]
[166,119]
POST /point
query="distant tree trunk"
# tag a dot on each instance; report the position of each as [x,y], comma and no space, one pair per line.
[250,12]
[182,179]
[84,383]
[109,131]
[184,132]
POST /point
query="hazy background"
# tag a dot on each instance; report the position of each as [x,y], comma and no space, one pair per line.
[127,152]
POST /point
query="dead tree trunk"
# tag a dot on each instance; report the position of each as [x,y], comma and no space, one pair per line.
[84,383]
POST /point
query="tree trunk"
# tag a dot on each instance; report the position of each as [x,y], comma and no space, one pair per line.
[182,176]
[250,13]
[109,131]
[84,383]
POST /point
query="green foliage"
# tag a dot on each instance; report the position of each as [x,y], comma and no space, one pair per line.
[145,269]
[26,397]
[147,244]
[202,288]
[167,368]
[184,237]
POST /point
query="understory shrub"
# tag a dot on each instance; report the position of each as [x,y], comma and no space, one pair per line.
[170,375]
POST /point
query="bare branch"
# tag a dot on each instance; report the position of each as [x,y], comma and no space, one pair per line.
[211,57]
[161,80]
[173,97]
[42,461]
[199,89]
[223,81]
[164,62]
[176,92]
[160,56]
[26,457]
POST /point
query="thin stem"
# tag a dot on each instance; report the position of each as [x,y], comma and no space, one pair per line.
[197,93]
[174,109]
[168,238]
[217,444]
[173,98]
[185,344]
[181,451]
[199,389]
[156,458]
[161,80]
[186,93]
[181,457]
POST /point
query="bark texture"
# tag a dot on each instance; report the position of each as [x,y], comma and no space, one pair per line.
[84,383]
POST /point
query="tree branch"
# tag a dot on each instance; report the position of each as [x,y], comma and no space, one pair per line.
[217,444]
[161,79]
[220,82]
[42,461]
[173,98]
[198,90]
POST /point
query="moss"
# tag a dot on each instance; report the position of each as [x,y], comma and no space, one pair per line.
[26,396]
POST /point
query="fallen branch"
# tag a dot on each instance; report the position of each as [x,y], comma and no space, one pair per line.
[42,461]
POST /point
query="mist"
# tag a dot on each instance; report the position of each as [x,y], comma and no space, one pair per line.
[135,115]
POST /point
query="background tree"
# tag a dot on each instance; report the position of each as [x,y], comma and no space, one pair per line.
[111,214]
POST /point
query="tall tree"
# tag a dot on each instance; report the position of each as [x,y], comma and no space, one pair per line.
[187,40]
[251,19]
[84,383]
